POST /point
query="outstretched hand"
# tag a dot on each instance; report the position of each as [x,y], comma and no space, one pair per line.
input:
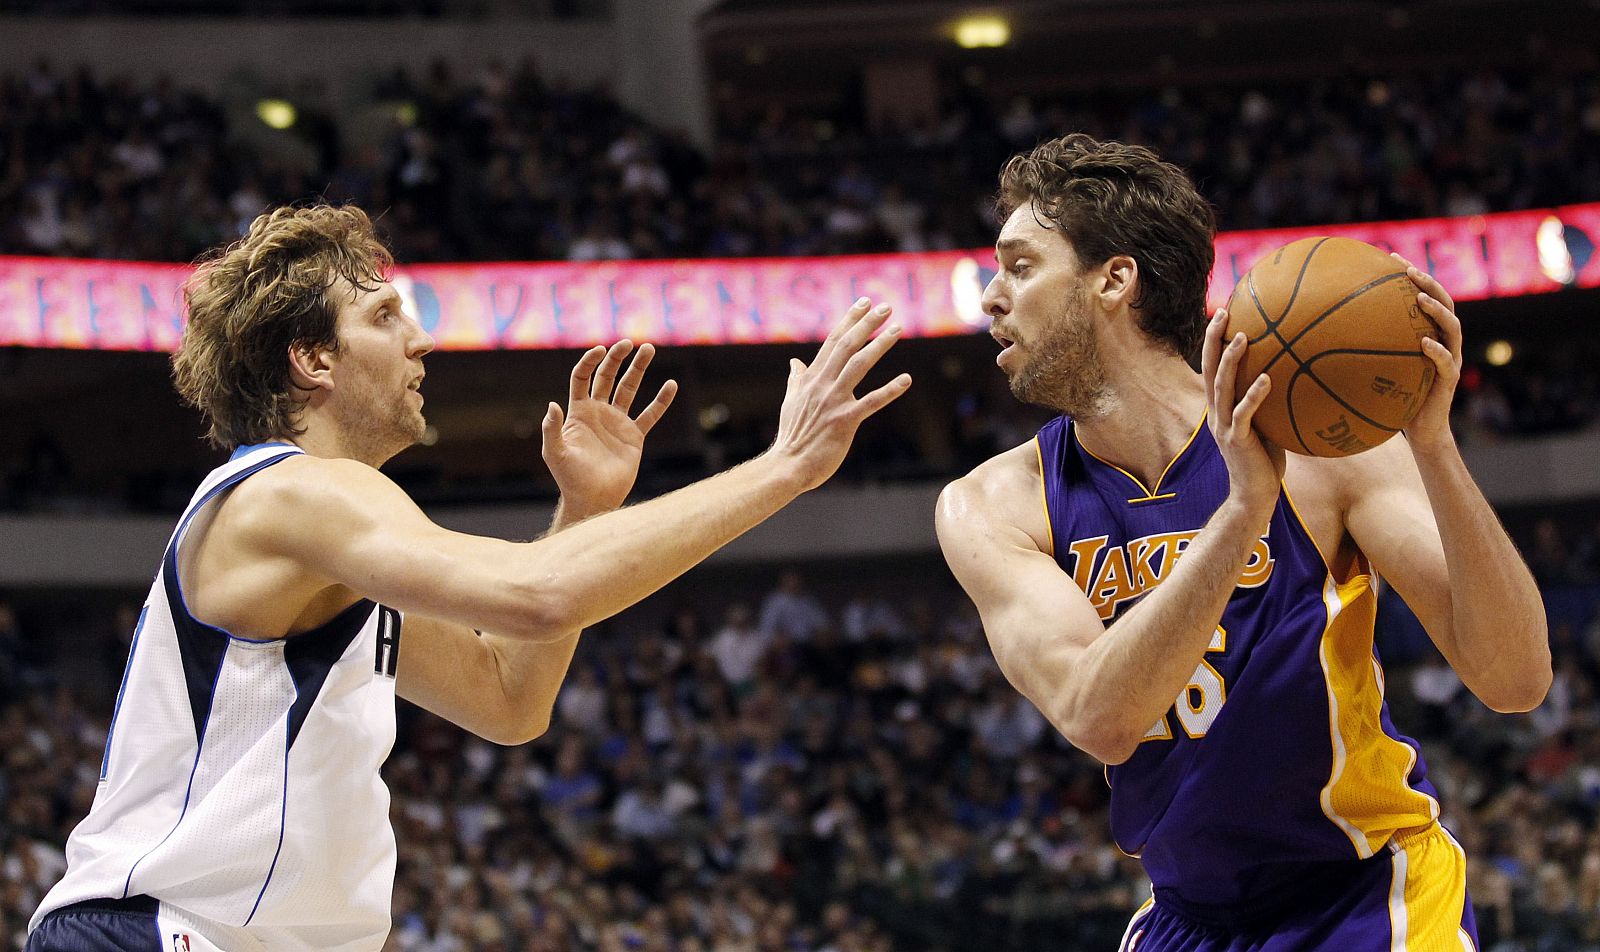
[1255,466]
[821,413]
[594,447]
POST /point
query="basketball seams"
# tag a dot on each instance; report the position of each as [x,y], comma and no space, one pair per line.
[1288,346]
[1305,370]
[1285,346]
[1294,425]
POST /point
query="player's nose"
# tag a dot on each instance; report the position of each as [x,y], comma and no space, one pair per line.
[421,341]
[995,303]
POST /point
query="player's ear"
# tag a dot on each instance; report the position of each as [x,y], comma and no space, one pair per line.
[310,366]
[1119,276]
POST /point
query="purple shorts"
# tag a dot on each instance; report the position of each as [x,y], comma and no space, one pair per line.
[1414,901]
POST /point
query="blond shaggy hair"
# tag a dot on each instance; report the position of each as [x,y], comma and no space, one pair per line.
[251,303]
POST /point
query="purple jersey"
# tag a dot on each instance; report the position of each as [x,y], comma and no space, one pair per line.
[1278,765]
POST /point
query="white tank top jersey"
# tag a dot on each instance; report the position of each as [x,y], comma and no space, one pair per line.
[240,783]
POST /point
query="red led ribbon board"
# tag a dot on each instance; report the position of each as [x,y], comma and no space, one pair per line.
[114,305]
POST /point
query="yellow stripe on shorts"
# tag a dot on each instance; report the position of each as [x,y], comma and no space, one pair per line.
[1428,893]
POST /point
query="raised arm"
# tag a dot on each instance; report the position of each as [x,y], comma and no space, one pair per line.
[353,527]
[1103,688]
[504,689]
[1413,508]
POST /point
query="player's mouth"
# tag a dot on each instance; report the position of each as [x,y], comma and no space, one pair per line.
[415,386]
[1007,345]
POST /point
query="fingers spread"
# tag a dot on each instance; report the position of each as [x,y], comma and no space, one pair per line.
[628,388]
[854,314]
[883,396]
[866,358]
[607,374]
[853,340]
[651,415]
[583,371]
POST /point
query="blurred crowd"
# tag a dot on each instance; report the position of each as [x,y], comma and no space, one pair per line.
[496,163]
[834,771]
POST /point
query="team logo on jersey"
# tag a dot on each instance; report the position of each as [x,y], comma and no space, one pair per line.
[1116,574]
[180,942]
[388,642]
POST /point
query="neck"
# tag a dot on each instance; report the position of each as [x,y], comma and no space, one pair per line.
[320,437]
[1154,402]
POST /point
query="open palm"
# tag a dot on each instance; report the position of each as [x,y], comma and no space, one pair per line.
[594,447]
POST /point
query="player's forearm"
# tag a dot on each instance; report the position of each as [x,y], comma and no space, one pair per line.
[530,675]
[596,568]
[1497,620]
[1127,679]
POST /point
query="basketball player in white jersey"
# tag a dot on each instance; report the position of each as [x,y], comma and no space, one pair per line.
[240,805]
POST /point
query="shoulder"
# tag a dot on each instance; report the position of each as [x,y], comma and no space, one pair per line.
[307,494]
[1005,490]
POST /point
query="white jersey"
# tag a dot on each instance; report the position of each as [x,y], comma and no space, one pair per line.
[240,783]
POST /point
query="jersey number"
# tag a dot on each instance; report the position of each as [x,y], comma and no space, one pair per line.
[1202,698]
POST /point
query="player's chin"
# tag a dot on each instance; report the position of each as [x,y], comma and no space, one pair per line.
[417,428]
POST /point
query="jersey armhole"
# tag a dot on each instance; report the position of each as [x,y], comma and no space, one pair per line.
[1347,568]
[1044,498]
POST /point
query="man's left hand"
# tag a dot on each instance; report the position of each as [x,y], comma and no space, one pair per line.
[1430,429]
[593,448]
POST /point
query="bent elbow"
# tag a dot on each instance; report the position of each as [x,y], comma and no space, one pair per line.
[528,732]
[1518,697]
[540,615]
[515,735]
[1107,743]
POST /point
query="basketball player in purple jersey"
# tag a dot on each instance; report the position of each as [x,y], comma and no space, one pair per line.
[1274,805]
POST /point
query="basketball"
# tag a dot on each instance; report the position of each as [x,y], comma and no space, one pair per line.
[1335,323]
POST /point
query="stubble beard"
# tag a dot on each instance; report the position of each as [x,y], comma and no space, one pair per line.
[381,427]
[1064,372]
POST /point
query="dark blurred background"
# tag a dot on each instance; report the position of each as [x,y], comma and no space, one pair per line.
[804,745]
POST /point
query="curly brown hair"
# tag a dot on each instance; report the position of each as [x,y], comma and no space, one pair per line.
[1109,198]
[250,303]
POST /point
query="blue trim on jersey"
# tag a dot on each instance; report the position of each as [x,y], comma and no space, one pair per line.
[310,658]
[105,759]
[243,451]
[197,641]
[283,819]
[194,646]
[188,789]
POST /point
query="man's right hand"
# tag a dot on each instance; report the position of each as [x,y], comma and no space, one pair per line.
[1255,466]
[821,413]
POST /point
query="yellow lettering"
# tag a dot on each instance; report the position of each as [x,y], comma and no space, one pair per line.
[1259,568]
[1085,551]
[1113,584]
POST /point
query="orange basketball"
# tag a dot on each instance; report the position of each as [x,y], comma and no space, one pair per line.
[1335,323]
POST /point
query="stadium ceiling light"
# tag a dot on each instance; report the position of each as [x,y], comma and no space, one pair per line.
[276,113]
[1499,353]
[978,32]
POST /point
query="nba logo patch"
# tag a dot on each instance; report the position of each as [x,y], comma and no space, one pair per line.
[180,942]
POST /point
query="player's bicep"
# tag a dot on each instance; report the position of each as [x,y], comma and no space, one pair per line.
[1388,517]
[349,525]
[1037,620]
